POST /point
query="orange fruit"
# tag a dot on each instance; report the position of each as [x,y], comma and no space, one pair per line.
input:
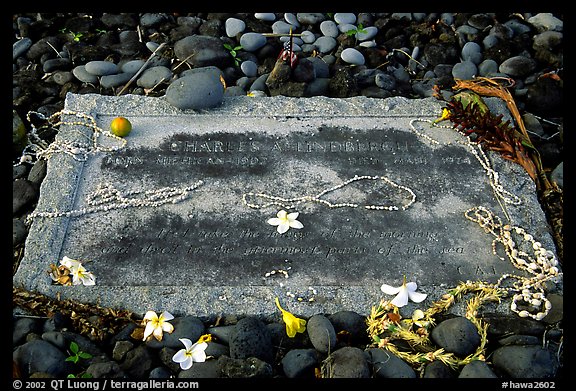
[120,126]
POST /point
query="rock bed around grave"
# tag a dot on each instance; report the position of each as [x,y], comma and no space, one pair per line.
[340,55]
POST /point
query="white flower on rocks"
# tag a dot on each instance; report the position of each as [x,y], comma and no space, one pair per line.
[190,354]
[156,325]
[403,293]
[285,221]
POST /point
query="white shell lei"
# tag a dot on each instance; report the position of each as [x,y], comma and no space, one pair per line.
[525,253]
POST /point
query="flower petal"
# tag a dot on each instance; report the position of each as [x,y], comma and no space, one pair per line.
[389,289]
[293,216]
[411,286]
[186,364]
[417,297]
[282,214]
[150,315]
[283,227]
[295,224]
[166,316]
[198,352]
[167,327]
[180,356]
[187,343]
[401,298]
[148,330]
[157,333]
[275,221]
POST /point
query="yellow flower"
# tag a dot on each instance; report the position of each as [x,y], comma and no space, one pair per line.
[293,324]
[445,115]
[155,324]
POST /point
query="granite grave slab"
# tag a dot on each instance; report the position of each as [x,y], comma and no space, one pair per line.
[231,169]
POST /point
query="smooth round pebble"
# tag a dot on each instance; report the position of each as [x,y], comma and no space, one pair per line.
[234,26]
[465,70]
[196,91]
[345,27]
[325,44]
[265,16]
[111,81]
[281,27]
[84,76]
[329,28]
[472,52]
[352,56]
[152,76]
[250,68]
[517,66]
[132,66]
[487,67]
[290,18]
[252,41]
[321,333]
[367,33]
[310,18]
[344,17]
[308,37]
[101,68]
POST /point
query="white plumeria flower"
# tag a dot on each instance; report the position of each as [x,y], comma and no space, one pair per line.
[79,273]
[285,221]
[190,354]
[156,325]
[403,293]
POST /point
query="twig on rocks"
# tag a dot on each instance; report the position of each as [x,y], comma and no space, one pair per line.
[141,69]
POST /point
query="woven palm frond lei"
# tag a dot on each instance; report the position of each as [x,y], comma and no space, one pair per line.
[386,326]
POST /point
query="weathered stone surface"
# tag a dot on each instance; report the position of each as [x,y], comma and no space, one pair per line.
[210,253]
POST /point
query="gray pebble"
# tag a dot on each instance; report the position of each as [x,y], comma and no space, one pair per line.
[320,67]
[329,28]
[111,81]
[52,362]
[265,16]
[290,18]
[132,66]
[352,56]
[325,44]
[456,335]
[234,26]
[345,27]
[525,361]
[20,47]
[19,233]
[281,27]
[252,41]
[310,18]
[477,369]
[545,22]
[299,363]
[101,68]
[348,362]
[150,19]
[472,52]
[62,77]
[152,76]
[367,33]
[387,365]
[260,83]
[308,37]
[487,67]
[343,17]
[490,41]
[250,68]
[251,338]
[152,46]
[517,66]
[321,333]
[195,91]
[385,81]
[81,74]
[464,70]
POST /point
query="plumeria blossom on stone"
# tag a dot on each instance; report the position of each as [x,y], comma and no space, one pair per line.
[403,293]
[293,324]
[285,221]
[192,352]
[156,325]
[79,273]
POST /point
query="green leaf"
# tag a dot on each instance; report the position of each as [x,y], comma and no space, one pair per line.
[86,375]
[74,347]
[71,376]
[239,47]
[73,359]
[84,355]
[228,46]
